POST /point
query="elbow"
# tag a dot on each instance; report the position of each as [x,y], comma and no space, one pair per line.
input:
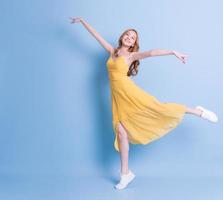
[152,52]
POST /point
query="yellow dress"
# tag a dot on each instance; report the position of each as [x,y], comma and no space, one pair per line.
[145,118]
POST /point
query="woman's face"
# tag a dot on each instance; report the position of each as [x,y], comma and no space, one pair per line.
[129,38]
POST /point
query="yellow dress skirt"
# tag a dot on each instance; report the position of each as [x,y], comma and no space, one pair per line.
[145,118]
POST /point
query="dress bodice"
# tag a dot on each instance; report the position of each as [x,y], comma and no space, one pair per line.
[117,68]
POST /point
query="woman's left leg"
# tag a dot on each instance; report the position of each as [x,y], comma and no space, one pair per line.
[203,113]
[194,111]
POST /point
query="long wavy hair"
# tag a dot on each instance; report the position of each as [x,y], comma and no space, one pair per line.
[133,68]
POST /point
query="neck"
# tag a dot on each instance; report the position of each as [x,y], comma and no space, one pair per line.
[124,49]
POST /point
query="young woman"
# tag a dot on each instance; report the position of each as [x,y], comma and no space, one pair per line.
[138,117]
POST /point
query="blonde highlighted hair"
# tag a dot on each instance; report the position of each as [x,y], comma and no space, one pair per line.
[133,68]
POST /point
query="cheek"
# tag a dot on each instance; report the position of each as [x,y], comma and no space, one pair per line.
[124,39]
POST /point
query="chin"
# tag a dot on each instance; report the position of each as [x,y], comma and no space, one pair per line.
[128,45]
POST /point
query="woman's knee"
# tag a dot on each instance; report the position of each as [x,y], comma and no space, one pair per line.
[121,132]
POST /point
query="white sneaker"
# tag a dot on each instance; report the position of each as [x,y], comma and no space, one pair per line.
[125,180]
[207,114]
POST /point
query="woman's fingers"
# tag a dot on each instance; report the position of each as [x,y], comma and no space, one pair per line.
[74,20]
[71,20]
[184,57]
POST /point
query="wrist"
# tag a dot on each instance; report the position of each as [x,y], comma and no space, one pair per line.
[81,20]
[173,52]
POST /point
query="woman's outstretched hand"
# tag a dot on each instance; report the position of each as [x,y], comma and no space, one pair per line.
[75,20]
[182,57]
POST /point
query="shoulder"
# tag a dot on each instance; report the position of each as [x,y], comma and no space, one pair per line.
[133,56]
[111,51]
[130,57]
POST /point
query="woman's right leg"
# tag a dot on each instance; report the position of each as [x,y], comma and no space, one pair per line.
[124,148]
[126,174]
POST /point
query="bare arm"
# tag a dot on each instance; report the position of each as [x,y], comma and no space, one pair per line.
[158,52]
[97,36]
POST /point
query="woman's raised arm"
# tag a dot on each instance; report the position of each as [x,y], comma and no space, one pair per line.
[98,37]
[158,52]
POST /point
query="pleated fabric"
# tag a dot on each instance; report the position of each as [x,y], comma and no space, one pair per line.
[145,117]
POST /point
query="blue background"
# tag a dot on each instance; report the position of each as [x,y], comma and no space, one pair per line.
[55,112]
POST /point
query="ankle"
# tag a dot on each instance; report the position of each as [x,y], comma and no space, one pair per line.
[125,171]
[200,112]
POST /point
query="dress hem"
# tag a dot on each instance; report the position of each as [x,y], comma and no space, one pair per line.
[161,133]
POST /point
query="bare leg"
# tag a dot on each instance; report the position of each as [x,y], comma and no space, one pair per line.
[194,111]
[124,148]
